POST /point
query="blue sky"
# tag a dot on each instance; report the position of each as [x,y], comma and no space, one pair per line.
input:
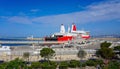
[22,18]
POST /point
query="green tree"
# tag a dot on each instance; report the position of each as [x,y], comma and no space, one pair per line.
[90,63]
[105,52]
[105,44]
[98,53]
[117,48]
[36,65]
[81,54]
[63,65]
[26,55]
[94,62]
[47,53]
[114,65]
[50,65]
[3,65]
[15,64]
[74,63]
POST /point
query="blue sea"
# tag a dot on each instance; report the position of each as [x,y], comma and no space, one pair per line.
[15,39]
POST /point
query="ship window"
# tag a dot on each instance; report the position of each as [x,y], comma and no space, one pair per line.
[58,35]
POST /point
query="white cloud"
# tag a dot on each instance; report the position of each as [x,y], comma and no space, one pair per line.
[18,19]
[34,10]
[97,12]
[4,17]
[104,11]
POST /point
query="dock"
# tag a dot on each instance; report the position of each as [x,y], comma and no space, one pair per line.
[32,42]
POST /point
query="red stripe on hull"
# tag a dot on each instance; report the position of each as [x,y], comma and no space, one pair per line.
[65,38]
[86,37]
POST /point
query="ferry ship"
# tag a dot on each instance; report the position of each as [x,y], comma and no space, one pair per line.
[70,35]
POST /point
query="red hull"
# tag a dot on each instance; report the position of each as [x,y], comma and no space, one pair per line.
[65,38]
[86,37]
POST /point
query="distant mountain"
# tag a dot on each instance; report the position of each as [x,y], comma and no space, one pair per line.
[105,36]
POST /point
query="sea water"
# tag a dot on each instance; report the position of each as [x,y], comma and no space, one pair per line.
[15,39]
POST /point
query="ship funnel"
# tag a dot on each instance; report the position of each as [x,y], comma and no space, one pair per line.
[73,27]
[62,29]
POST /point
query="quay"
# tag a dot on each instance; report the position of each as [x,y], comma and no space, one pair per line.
[63,52]
[32,42]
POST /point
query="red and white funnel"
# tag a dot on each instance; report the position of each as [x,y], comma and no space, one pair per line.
[62,29]
[73,28]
